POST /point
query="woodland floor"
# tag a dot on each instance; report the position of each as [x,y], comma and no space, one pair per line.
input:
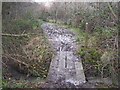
[66,69]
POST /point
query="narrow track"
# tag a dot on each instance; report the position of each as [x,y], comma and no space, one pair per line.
[66,66]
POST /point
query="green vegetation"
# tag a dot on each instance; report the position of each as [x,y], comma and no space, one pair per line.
[25,50]
[22,83]
[29,54]
[98,59]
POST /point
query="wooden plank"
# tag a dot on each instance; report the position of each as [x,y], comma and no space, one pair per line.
[61,66]
[70,63]
[79,72]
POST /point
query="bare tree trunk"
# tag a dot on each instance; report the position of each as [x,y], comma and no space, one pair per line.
[65,10]
[86,37]
[56,16]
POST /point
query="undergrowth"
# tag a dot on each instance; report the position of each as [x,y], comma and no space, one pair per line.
[99,55]
[29,55]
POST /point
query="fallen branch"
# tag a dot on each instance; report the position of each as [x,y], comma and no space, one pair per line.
[16,60]
[15,35]
[19,35]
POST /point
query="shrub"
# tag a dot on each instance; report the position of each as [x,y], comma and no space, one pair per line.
[29,54]
[91,61]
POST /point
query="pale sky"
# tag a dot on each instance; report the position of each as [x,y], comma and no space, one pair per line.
[47,2]
[78,0]
[43,0]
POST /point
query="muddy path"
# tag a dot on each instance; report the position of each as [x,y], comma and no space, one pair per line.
[65,67]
